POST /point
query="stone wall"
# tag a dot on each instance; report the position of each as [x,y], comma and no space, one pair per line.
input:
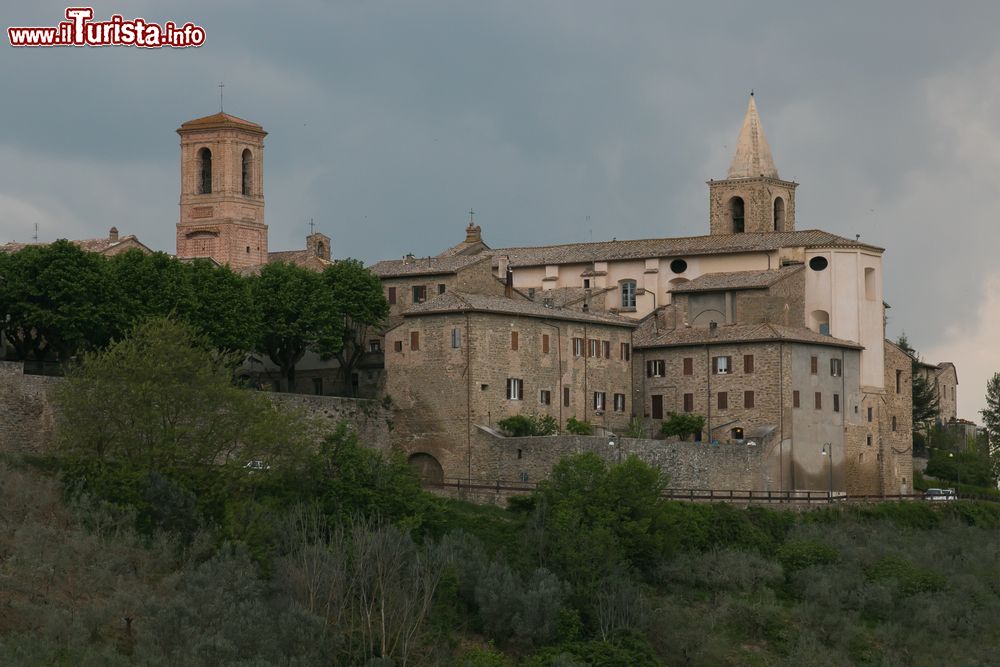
[689,465]
[369,418]
[758,204]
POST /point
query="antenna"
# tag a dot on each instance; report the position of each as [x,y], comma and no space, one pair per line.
[35,237]
[221,86]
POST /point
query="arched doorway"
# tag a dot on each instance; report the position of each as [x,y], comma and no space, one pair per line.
[427,467]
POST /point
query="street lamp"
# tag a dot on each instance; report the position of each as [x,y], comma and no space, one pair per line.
[827,450]
[613,442]
[958,468]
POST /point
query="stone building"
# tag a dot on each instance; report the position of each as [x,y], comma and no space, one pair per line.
[943,377]
[112,244]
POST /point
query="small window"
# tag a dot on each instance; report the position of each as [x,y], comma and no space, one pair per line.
[519,453]
[737,433]
[628,293]
[606,348]
[894,422]
[545,397]
[736,214]
[626,352]
[619,402]
[748,363]
[870,287]
[899,381]
[545,343]
[869,439]
[247,172]
[375,345]
[836,368]
[398,346]
[814,365]
[819,400]
[723,400]
[748,399]
[678,266]
[456,338]
[656,368]
[836,402]
[688,402]
[869,413]
[795,398]
[566,397]
[721,365]
[586,283]
[205,159]
[598,400]
[515,389]
[414,340]
[577,347]
[513,341]
[419,293]
[392,296]
[318,386]
[593,348]
[442,288]
[688,366]
[818,263]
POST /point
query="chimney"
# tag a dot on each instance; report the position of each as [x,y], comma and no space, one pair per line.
[502,263]
[113,234]
[509,284]
[473,234]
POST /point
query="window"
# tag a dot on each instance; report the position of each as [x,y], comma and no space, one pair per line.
[688,366]
[598,400]
[442,288]
[779,214]
[577,347]
[318,386]
[678,266]
[736,214]
[606,348]
[657,406]
[723,400]
[398,346]
[414,340]
[819,400]
[795,398]
[545,343]
[869,439]
[836,368]
[748,363]
[456,338]
[513,340]
[737,433]
[818,263]
[656,368]
[375,345]
[814,365]
[626,352]
[545,397]
[721,365]
[870,287]
[586,283]
[419,293]
[594,348]
[205,160]
[392,296]
[836,402]
[869,413]
[566,397]
[894,422]
[748,399]
[899,381]
[619,402]
[515,389]
[688,402]
[628,293]
[247,157]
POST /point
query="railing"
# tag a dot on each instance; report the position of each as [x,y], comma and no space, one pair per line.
[715,495]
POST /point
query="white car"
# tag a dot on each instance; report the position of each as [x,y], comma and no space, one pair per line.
[940,495]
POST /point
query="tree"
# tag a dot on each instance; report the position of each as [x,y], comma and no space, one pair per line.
[357,295]
[221,308]
[162,400]
[925,398]
[297,313]
[682,425]
[991,422]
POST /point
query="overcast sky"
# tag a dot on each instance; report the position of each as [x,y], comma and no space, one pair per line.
[557,121]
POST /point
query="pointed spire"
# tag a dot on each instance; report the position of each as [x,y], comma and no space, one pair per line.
[753,155]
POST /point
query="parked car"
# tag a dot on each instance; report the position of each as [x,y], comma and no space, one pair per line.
[940,495]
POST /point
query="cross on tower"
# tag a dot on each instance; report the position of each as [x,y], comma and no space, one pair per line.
[312,227]
[221,86]
[471,214]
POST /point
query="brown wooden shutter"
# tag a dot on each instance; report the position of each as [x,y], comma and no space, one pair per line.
[392,295]
[545,343]
[748,399]
[513,340]
[814,365]
[566,396]
[748,363]
[795,398]
[688,402]
[414,340]
[723,400]
[657,406]
[819,400]
[689,366]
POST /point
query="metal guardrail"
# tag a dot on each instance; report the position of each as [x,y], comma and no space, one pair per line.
[716,495]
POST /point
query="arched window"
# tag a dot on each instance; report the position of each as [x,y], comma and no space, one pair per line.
[820,322]
[628,293]
[779,214]
[205,162]
[247,156]
[736,214]
[320,249]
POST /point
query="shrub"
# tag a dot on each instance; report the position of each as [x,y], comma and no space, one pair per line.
[635,429]
[682,425]
[577,427]
[908,577]
[801,553]
[518,426]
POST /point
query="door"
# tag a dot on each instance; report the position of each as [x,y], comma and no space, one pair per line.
[657,406]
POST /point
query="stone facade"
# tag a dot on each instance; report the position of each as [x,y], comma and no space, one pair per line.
[412,281]
[768,205]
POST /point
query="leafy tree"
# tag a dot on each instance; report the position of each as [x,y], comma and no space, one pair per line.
[297,313]
[577,427]
[682,425]
[926,409]
[357,296]
[149,285]
[221,308]
[991,422]
[517,426]
[161,400]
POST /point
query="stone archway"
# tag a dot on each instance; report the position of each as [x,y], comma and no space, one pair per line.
[427,467]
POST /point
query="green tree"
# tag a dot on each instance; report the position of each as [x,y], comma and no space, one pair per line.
[147,285]
[297,313]
[221,308]
[682,425]
[924,395]
[357,296]
[991,422]
[163,400]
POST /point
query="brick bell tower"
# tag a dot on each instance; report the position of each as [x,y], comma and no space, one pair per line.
[752,198]
[222,191]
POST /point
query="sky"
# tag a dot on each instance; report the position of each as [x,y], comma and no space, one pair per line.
[555,120]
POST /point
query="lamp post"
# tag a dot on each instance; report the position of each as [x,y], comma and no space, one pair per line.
[958,467]
[613,442]
[827,451]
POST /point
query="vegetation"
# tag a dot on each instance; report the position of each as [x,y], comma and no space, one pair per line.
[517,426]
[682,425]
[357,293]
[926,403]
[575,426]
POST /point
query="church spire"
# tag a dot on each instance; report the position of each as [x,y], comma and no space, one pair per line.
[753,155]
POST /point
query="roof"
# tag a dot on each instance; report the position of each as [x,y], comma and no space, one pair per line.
[714,282]
[647,336]
[752,158]
[685,246]
[562,297]
[423,266]
[100,246]
[461,302]
[307,259]
[221,121]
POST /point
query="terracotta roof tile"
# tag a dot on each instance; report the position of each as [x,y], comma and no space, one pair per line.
[713,282]
[647,336]
[423,266]
[460,302]
[221,121]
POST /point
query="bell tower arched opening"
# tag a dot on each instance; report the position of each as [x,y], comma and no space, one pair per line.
[736,215]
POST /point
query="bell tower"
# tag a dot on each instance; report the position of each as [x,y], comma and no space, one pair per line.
[752,198]
[222,191]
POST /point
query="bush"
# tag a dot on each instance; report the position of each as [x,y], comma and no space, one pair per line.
[519,426]
[635,429]
[802,553]
[682,425]
[577,427]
